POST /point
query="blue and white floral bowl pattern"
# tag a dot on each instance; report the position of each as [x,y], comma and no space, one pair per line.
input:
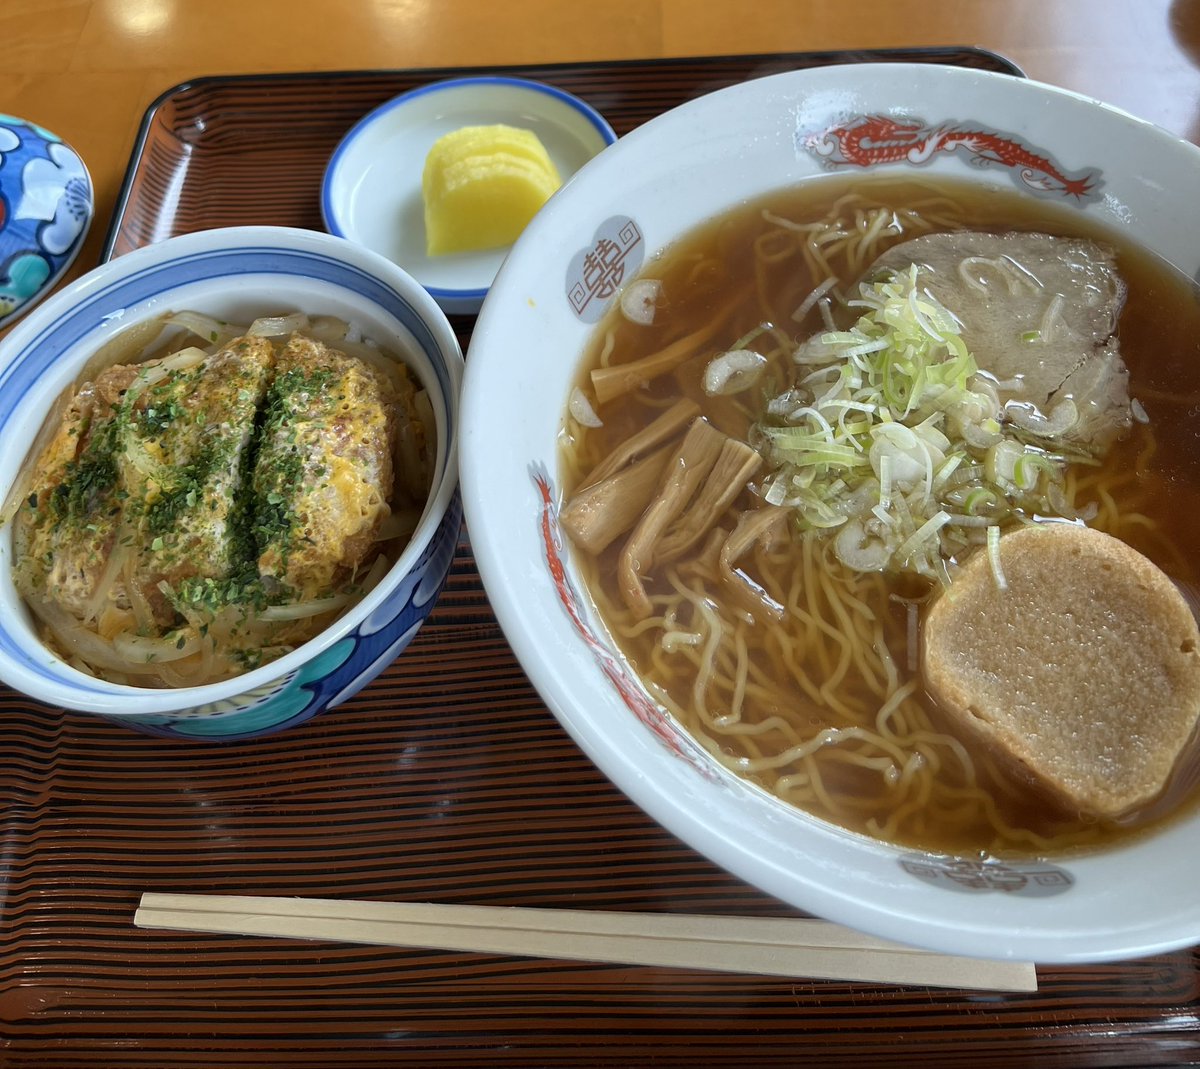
[46,207]
[238,274]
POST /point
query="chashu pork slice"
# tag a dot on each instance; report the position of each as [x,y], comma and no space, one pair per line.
[1035,308]
[324,472]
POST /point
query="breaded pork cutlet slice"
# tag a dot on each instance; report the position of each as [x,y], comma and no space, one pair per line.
[324,472]
[65,530]
[1084,672]
[184,465]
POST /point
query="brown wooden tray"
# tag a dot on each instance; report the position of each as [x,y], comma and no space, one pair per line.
[445,780]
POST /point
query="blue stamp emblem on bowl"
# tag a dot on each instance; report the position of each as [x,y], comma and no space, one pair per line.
[46,207]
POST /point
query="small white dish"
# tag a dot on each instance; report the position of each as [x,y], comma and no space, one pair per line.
[371,193]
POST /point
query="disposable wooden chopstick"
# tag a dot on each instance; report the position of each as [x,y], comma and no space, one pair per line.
[767,946]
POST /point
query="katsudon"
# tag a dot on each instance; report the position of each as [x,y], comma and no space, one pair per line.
[199,513]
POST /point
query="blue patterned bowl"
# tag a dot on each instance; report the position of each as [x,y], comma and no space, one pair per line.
[237,275]
[45,210]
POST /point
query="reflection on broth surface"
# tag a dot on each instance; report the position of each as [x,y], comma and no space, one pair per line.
[766,568]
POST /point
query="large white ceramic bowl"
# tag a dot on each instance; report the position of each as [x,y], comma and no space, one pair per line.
[238,274]
[637,197]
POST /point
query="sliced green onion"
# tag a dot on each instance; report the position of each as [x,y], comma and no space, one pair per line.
[978,498]
[885,481]
[927,531]
[890,433]
[1029,467]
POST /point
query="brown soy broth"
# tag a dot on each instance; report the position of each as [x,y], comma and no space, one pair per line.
[1159,333]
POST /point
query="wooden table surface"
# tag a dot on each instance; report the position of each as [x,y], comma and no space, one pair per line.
[94,814]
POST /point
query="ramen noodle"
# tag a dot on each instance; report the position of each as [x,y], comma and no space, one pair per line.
[775,463]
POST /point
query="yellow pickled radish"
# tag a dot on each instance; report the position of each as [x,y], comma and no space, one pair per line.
[482,185]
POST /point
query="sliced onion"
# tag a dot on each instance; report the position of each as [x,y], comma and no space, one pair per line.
[408,455]
[733,372]
[1064,507]
[979,436]
[399,524]
[113,568]
[128,347]
[856,550]
[927,532]
[278,326]
[983,393]
[155,371]
[421,480]
[638,301]
[182,360]
[302,610]
[897,435]
[1061,418]
[1001,461]
[581,409]
[76,640]
[1014,385]
[213,331]
[143,615]
[348,339]
[331,328]
[142,649]
[959,519]
[379,568]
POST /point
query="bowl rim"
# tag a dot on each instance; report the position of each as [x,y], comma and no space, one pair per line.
[510,597]
[116,700]
[454,298]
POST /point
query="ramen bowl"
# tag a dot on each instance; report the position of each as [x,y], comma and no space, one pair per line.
[238,275]
[682,170]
